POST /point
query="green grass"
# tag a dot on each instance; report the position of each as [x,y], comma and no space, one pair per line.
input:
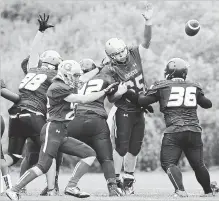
[148,186]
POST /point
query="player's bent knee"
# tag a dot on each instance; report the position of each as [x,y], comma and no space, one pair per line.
[89,160]
[32,158]
[37,170]
[135,149]
[122,149]
[166,166]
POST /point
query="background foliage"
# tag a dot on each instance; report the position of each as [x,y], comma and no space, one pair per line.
[81,30]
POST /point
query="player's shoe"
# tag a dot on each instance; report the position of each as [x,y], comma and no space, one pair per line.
[207,195]
[128,181]
[44,191]
[23,191]
[52,192]
[76,192]
[179,194]
[214,187]
[12,195]
[113,189]
[120,184]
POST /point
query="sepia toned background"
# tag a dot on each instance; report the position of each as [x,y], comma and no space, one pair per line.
[81,30]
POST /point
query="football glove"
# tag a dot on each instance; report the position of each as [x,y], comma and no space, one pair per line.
[111,88]
[43,23]
[148,109]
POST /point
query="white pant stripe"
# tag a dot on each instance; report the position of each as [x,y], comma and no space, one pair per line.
[47,136]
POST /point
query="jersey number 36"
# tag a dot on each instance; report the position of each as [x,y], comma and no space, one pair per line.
[180,95]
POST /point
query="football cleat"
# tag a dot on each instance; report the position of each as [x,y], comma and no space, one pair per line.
[12,195]
[208,195]
[44,192]
[113,189]
[52,192]
[23,191]
[214,187]
[76,192]
[128,181]
[179,194]
[120,184]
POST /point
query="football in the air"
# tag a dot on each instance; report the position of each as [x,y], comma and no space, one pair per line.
[192,27]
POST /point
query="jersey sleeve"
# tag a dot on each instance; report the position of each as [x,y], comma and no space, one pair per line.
[134,50]
[3,84]
[107,72]
[59,91]
[202,100]
[24,64]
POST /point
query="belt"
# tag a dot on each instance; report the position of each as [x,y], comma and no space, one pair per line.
[18,115]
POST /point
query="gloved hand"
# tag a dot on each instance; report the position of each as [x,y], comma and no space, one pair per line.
[43,23]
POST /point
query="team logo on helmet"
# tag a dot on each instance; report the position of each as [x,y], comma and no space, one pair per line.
[69,71]
[50,59]
[116,50]
[176,68]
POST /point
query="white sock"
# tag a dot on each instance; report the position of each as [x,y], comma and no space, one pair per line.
[118,160]
[129,162]
[50,175]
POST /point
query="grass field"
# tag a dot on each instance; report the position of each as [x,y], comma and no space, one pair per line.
[148,186]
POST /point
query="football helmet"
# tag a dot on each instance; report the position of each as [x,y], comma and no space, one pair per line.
[69,71]
[87,65]
[117,50]
[50,59]
[176,68]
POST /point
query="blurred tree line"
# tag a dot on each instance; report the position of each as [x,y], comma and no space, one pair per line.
[81,30]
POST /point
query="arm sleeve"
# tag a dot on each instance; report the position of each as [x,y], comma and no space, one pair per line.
[60,92]
[9,95]
[202,100]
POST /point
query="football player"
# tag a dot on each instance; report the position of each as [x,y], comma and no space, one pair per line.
[178,101]
[61,96]
[90,126]
[89,69]
[126,65]
[9,95]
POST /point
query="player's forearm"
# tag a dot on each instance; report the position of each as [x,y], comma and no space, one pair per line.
[89,75]
[204,102]
[144,101]
[147,34]
[132,96]
[9,95]
[35,50]
[114,97]
[77,98]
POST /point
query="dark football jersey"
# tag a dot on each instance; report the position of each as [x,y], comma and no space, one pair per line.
[178,103]
[131,73]
[2,84]
[58,108]
[33,88]
[98,83]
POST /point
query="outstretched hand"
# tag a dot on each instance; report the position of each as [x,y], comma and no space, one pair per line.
[43,22]
[148,12]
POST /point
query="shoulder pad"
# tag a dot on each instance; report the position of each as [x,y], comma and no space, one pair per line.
[160,84]
[196,84]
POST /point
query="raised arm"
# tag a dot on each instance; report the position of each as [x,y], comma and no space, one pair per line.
[37,42]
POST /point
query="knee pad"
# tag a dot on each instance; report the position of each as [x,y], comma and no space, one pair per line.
[32,158]
[122,149]
[167,166]
[135,148]
[43,167]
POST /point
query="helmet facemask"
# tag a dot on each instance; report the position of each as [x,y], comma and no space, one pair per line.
[117,50]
